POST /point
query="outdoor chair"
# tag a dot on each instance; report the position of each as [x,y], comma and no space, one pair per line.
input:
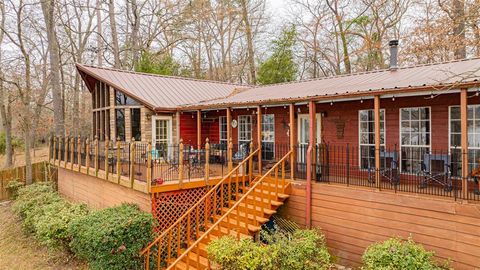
[389,170]
[435,169]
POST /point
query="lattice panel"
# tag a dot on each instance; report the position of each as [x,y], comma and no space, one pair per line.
[168,207]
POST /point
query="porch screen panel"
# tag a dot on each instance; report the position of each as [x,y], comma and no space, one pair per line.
[244,129]
[473,127]
[135,123]
[222,124]
[120,123]
[414,138]
[367,137]
[268,136]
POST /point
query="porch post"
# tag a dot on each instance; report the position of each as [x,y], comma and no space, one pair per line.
[292,140]
[310,171]
[259,137]
[376,105]
[229,124]
[199,129]
[464,140]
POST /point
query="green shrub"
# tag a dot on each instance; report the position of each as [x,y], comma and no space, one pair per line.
[396,253]
[305,250]
[13,187]
[16,143]
[51,228]
[112,238]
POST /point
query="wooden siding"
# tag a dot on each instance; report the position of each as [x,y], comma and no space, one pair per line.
[40,173]
[353,218]
[98,193]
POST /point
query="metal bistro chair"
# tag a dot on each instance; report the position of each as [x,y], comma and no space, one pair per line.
[442,177]
[389,170]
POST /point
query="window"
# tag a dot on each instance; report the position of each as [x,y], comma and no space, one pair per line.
[268,136]
[162,136]
[473,127]
[222,126]
[414,137]
[135,121]
[244,129]
[120,123]
[367,137]
[122,99]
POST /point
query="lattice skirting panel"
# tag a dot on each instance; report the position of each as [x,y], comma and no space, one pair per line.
[168,207]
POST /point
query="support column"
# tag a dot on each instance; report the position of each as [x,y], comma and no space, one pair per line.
[310,164]
[292,141]
[259,137]
[464,140]
[376,105]
[229,125]
[199,129]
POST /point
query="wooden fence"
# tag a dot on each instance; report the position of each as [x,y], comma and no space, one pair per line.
[41,172]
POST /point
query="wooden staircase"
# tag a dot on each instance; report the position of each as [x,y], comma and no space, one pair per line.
[237,206]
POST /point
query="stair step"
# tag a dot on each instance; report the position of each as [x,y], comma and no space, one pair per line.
[233,224]
[265,201]
[183,266]
[266,193]
[215,234]
[266,211]
[270,186]
[202,261]
[250,216]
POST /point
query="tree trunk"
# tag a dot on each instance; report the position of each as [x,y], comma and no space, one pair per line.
[113,28]
[99,34]
[28,159]
[460,50]
[58,116]
[248,34]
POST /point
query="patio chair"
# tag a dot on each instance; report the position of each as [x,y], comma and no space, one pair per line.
[389,171]
[435,169]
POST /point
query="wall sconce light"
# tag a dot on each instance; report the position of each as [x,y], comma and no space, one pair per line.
[148,116]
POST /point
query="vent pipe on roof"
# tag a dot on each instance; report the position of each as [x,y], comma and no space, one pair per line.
[393,54]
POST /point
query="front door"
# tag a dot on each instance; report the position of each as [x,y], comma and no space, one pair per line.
[304,137]
[162,137]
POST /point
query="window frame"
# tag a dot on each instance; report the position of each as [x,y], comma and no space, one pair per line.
[239,129]
[220,131]
[262,137]
[360,144]
[139,124]
[124,124]
[416,146]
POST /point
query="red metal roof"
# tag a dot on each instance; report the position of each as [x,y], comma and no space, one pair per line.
[422,76]
[157,91]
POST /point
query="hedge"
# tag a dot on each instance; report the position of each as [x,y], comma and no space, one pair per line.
[107,239]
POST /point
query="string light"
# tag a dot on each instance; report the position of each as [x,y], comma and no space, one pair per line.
[331,103]
[393,98]
[361,100]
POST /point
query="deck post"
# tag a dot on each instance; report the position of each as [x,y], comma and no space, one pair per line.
[96,155]
[376,105]
[207,161]
[199,129]
[310,164]
[65,151]
[259,137]
[87,155]
[230,154]
[72,146]
[250,164]
[464,140]
[119,164]
[292,141]
[149,166]
[132,161]
[180,164]
[79,153]
[107,145]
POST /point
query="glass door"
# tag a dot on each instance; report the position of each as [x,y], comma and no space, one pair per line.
[304,137]
[162,137]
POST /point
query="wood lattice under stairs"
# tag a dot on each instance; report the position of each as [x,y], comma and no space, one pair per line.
[238,206]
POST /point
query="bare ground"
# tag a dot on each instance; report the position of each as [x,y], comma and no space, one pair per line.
[19,250]
[40,154]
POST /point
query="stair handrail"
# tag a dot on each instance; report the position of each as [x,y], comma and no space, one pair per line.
[237,203]
[193,207]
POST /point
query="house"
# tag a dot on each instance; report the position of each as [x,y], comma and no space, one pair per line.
[368,155]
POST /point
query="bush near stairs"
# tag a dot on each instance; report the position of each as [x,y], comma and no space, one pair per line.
[304,250]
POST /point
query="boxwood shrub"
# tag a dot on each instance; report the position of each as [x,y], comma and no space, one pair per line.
[396,253]
[112,238]
[304,250]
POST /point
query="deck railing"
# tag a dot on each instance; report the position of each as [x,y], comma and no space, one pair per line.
[187,228]
[412,170]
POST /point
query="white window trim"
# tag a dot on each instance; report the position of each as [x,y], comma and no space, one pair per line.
[238,127]
[318,118]
[360,139]
[220,129]
[400,135]
[274,145]
[169,127]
